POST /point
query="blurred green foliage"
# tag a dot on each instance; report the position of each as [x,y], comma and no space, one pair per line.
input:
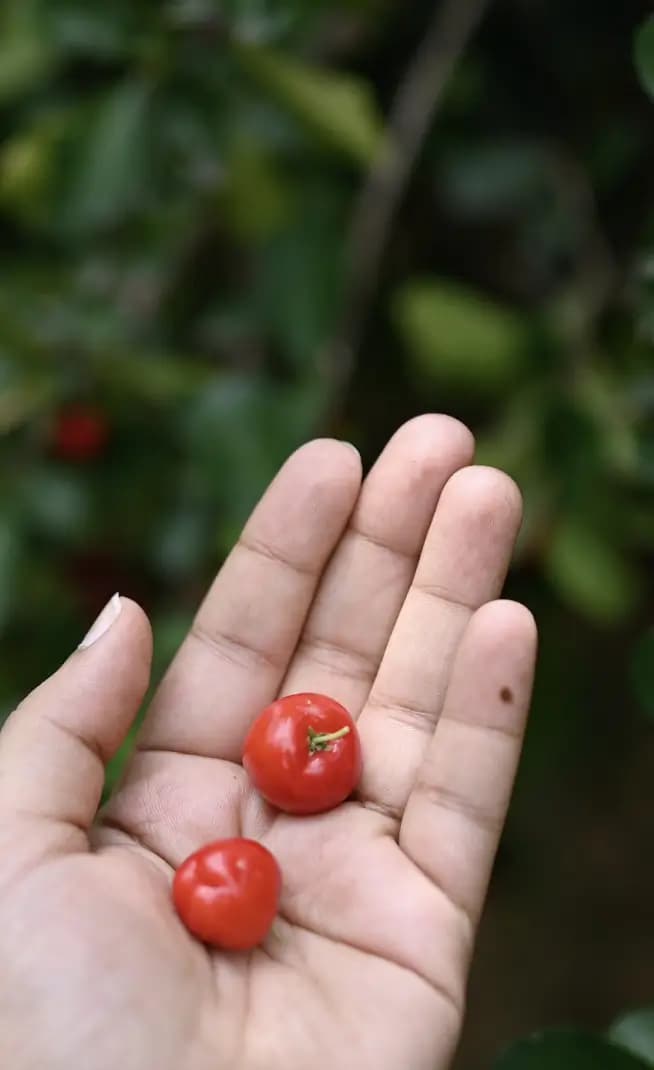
[628,1045]
[569,1051]
[635,1031]
[177,187]
[645,54]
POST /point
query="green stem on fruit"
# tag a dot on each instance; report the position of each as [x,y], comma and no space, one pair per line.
[320,740]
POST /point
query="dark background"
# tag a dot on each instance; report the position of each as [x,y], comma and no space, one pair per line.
[192,283]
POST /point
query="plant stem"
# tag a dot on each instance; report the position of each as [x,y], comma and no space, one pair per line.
[412,113]
[320,740]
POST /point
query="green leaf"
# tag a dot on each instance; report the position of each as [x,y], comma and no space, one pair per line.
[590,573]
[255,199]
[56,502]
[157,379]
[300,276]
[642,672]
[567,1050]
[458,337]
[28,168]
[635,1031]
[21,401]
[110,173]
[105,31]
[237,431]
[10,553]
[644,54]
[181,542]
[26,57]
[339,107]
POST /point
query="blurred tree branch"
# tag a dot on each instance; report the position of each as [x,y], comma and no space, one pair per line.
[411,116]
[595,276]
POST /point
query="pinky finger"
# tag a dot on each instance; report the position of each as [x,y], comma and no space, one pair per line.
[455,814]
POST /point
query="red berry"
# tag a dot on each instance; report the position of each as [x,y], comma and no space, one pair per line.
[81,433]
[227,893]
[303,754]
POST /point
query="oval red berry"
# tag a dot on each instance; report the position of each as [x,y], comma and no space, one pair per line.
[81,433]
[303,754]
[227,893]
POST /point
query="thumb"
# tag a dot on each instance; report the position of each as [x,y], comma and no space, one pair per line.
[55,745]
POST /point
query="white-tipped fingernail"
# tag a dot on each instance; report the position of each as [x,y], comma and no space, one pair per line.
[352,446]
[102,624]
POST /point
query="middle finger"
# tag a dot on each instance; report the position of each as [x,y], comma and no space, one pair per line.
[366,581]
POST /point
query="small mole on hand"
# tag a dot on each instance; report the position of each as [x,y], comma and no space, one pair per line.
[506,694]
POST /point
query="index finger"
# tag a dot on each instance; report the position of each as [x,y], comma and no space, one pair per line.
[232,662]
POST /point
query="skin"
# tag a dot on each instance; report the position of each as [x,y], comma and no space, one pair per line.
[382,595]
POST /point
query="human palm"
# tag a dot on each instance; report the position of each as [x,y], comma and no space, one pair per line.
[370,595]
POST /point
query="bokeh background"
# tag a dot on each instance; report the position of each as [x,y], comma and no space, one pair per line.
[209,253]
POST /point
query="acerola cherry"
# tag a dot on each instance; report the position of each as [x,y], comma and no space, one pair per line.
[227,893]
[303,754]
[81,433]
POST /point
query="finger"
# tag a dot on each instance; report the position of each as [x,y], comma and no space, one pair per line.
[235,657]
[345,632]
[457,808]
[367,579]
[54,747]
[463,564]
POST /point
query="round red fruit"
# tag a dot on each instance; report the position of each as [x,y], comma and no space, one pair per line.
[303,754]
[227,893]
[81,433]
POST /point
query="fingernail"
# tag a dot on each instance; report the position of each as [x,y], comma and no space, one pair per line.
[351,445]
[102,624]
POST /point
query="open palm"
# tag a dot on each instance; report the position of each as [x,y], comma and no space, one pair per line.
[378,595]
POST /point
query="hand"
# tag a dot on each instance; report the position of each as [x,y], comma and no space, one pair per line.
[372,595]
